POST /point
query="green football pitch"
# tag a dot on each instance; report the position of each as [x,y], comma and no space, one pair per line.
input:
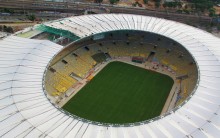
[121,93]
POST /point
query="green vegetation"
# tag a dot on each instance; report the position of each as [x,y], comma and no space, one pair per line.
[157,3]
[135,4]
[6,10]
[145,1]
[31,17]
[172,4]
[218,27]
[121,93]
[113,1]
[212,12]
[7,29]
[193,6]
[202,5]
[98,1]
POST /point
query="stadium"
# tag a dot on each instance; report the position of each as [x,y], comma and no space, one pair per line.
[120,75]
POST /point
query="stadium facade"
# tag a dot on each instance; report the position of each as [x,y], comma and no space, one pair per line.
[26,111]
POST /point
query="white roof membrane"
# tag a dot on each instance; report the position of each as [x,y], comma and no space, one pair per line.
[25,110]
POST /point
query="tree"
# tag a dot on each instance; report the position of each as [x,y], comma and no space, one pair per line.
[212,12]
[172,4]
[218,27]
[98,1]
[157,4]
[10,29]
[179,4]
[145,1]
[113,1]
[8,10]
[7,29]
[165,5]
[186,11]
[31,17]
[202,5]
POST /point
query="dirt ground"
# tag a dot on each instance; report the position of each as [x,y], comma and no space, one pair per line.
[150,4]
[217,9]
[18,26]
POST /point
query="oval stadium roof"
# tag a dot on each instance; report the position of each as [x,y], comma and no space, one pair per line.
[25,110]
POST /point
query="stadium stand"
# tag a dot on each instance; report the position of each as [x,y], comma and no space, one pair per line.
[151,49]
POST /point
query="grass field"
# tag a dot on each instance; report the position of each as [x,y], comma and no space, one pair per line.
[121,93]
